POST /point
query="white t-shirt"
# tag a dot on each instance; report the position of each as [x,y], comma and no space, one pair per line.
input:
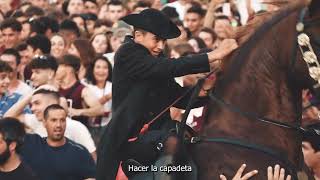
[110,57]
[23,89]
[194,113]
[181,10]
[75,131]
[99,93]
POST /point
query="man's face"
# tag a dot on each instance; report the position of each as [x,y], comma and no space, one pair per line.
[91,7]
[115,12]
[4,82]
[40,3]
[90,25]
[75,7]
[311,158]
[80,22]
[55,124]
[10,59]
[40,76]
[68,35]
[193,22]
[10,37]
[26,55]
[154,44]
[207,38]
[62,72]
[220,28]
[4,151]
[26,30]
[39,102]
[103,12]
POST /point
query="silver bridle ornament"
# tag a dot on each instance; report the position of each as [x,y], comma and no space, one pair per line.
[308,53]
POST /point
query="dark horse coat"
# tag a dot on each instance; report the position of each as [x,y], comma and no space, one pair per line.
[143,86]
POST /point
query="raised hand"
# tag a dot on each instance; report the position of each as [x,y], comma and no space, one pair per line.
[238,175]
[277,174]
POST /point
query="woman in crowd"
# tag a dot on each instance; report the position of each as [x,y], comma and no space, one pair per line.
[84,50]
[75,7]
[99,77]
[197,44]
[100,43]
[58,46]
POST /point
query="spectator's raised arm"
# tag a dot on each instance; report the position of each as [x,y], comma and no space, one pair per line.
[239,176]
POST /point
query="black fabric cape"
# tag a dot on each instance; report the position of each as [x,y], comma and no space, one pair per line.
[143,85]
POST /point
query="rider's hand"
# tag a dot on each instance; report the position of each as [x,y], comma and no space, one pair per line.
[224,49]
[277,174]
[208,85]
[238,175]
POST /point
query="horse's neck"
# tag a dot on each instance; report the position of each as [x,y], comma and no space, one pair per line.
[263,78]
[261,88]
[265,90]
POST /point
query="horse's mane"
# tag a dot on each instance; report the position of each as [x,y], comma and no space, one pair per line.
[247,41]
[243,33]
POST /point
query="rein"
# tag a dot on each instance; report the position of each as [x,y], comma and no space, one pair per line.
[251,115]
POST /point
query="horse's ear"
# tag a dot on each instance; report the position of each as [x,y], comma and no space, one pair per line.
[314,7]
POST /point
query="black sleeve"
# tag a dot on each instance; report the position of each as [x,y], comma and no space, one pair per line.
[142,65]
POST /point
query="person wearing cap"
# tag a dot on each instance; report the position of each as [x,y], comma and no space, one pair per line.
[311,147]
[143,86]
[117,38]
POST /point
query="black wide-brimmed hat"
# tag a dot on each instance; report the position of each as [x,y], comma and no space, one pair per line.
[153,21]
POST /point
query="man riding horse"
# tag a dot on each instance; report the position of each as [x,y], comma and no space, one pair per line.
[143,86]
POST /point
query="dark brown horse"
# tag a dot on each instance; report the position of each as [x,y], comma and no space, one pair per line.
[264,78]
